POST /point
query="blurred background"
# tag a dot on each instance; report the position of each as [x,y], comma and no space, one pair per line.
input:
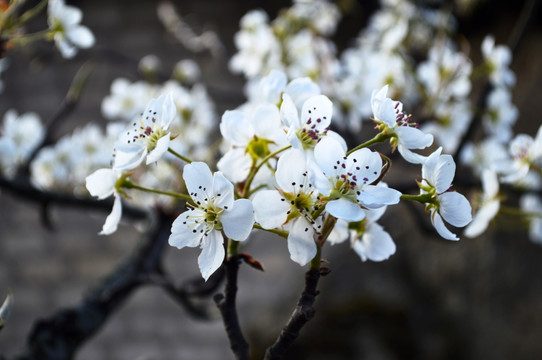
[434,299]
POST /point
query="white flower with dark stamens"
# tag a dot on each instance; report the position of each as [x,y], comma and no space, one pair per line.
[349,181]
[391,120]
[147,138]
[306,130]
[214,211]
[102,184]
[437,174]
[489,205]
[68,33]
[291,205]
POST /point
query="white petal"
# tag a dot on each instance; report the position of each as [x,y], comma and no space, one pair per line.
[235,164]
[410,156]
[373,197]
[345,209]
[270,209]
[198,179]
[113,219]
[238,221]
[288,112]
[301,242]
[212,254]
[376,244]
[317,112]
[290,169]
[455,208]
[236,127]
[443,231]
[128,157]
[161,148]
[101,183]
[267,121]
[482,218]
[222,191]
[326,154]
[490,183]
[184,232]
[439,170]
[365,164]
[81,37]
[413,138]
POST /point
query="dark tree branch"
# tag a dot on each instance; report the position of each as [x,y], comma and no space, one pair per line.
[302,314]
[226,305]
[60,336]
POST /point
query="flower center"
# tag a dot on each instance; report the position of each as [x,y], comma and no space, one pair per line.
[258,148]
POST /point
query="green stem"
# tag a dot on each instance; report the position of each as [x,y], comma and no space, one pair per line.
[380,137]
[171,151]
[233,247]
[130,185]
[315,262]
[422,198]
[255,170]
[25,39]
[518,212]
[29,14]
[280,233]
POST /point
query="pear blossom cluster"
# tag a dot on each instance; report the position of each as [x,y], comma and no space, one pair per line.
[283,164]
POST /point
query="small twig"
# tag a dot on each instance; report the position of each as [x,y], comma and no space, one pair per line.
[226,305]
[302,314]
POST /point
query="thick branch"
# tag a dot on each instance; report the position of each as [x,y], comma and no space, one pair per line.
[303,312]
[226,305]
[59,337]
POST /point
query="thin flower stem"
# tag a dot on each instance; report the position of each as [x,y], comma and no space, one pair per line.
[380,137]
[280,233]
[25,39]
[31,13]
[129,185]
[184,158]
[255,170]
[422,198]
[517,212]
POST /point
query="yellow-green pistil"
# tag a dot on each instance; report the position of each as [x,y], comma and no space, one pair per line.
[258,147]
[300,203]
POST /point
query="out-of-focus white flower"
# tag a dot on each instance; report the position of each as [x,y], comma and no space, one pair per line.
[525,153]
[127,100]
[498,59]
[347,181]
[487,154]
[532,205]
[147,138]
[19,137]
[501,114]
[488,207]
[389,116]
[187,71]
[438,171]
[450,121]
[291,205]
[214,210]
[67,32]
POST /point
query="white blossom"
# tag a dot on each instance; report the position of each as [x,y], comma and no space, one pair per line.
[214,210]
[68,33]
